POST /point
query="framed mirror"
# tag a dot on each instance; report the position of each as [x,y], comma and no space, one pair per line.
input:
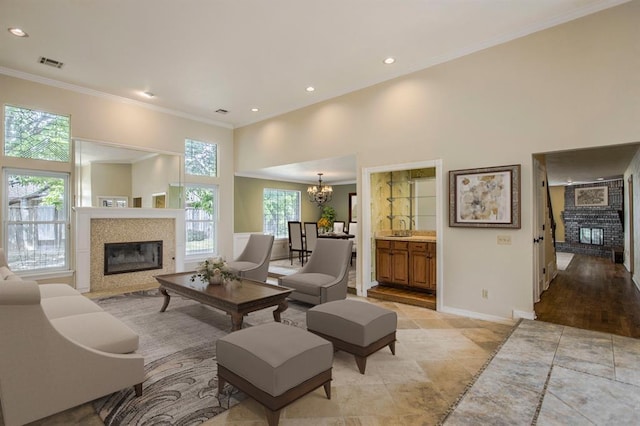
[134,177]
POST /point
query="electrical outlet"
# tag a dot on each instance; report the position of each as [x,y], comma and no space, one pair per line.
[504,240]
[485,293]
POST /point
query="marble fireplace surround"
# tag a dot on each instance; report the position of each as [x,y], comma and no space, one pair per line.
[96,226]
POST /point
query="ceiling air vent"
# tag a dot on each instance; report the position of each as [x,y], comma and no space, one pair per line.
[222,111]
[50,62]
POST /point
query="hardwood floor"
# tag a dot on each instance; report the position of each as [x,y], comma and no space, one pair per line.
[593,293]
[402,296]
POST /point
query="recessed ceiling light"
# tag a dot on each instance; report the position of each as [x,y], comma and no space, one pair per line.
[389,60]
[600,179]
[310,89]
[148,94]
[18,32]
[255,109]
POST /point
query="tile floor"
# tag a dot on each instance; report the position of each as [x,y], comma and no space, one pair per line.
[549,374]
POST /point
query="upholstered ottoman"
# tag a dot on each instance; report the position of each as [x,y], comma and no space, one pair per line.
[358,328]
[275,364]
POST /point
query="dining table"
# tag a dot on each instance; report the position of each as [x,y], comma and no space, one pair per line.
[336,235]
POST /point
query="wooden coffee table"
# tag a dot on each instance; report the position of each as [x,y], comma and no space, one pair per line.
[237,298]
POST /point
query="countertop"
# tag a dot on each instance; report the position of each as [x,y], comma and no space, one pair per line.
[414,238]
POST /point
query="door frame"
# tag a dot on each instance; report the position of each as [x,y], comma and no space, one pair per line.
[631,227]
[365,251]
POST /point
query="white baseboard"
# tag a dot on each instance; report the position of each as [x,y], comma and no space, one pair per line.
[635,281]
[475,315]
[524,314]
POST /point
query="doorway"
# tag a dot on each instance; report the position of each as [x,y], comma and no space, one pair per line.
[366,265]
[595,291]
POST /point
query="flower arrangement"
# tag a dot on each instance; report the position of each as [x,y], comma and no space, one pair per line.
[324,223]
[214,271]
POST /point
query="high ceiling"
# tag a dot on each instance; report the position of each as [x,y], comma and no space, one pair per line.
[200,56]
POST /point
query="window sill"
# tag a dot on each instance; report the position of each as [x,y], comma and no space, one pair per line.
[45,275]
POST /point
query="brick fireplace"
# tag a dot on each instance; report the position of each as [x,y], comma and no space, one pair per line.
[605,222]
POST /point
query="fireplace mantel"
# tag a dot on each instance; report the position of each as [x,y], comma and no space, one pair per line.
[83,218]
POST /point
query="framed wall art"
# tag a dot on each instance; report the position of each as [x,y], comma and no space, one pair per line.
[353,207]
[485,198]
[592,196]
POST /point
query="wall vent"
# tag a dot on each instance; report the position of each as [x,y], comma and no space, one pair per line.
[221,111]
[50,62]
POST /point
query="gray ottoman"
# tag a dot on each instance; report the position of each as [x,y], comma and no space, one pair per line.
[358,328]
[275,364]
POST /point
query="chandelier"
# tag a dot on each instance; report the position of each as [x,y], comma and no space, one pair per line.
[320,193]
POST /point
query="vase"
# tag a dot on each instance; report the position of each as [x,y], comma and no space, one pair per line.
[215,278]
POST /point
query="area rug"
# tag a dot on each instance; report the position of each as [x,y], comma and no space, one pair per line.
[181,385]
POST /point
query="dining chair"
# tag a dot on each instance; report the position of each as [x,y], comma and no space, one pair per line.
[353,230]
[311,236]
[338,227]
[295,241]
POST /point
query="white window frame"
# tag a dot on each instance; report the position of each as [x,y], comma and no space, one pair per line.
[298,207]
[215,222]
[216,165]
[66,222]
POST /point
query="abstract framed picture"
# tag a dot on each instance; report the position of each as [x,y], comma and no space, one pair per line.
[485,198]
[592,196]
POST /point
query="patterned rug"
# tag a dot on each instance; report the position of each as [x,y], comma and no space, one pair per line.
[181,386]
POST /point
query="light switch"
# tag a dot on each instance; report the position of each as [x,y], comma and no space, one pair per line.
[504,240]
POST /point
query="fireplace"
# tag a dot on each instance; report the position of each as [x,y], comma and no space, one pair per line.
[120,258]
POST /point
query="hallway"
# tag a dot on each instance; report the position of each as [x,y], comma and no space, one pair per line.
[593,293]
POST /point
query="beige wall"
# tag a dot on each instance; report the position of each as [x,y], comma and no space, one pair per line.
[557,203]
[153,176]
[248,202]
[572,86]
[122,122]
[110,180]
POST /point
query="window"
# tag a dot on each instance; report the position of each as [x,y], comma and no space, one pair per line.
[279,207]
[201,217]
[200,158]
[36,208]
[36,135]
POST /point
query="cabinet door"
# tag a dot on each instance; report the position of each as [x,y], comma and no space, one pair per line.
[383,265]
[419,269]
[400,270]
[431,260]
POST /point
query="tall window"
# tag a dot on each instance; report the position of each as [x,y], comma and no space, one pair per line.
[36,134]
[200,158]
[201,217]
[280,206]
[37,220]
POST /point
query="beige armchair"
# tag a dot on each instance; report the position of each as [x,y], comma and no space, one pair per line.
[253,262]
[324,278]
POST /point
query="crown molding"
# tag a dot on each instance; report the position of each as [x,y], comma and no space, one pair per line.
[121,99]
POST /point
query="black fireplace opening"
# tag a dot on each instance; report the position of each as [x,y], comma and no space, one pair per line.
[593,236]
[120,258]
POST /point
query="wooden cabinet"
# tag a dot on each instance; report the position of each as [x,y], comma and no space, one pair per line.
[422,265]
[392,262]
[406,263]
